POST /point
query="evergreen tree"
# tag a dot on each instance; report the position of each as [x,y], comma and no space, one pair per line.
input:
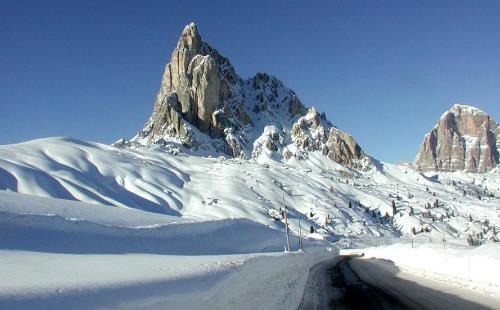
[394,210]
[311,230]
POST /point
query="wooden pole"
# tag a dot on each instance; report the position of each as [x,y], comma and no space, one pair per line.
[286,226]
[300,235]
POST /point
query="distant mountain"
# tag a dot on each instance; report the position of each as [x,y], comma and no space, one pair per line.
[464,139]
[203,105]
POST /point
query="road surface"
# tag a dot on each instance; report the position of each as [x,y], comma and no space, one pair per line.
[354,283]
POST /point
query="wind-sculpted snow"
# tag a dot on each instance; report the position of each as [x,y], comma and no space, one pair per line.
[147,228]
[76,170]
[316,190]
[73,227]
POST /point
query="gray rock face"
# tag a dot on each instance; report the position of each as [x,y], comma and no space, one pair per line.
[204,105]
[314,133]
[464,139]
[193,91]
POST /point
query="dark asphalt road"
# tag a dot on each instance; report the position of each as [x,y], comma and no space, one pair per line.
[351,283]
[357,294]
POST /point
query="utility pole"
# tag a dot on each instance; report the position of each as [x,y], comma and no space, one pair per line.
[286,226]
[300,235]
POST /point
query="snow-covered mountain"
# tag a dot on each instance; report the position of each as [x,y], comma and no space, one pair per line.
[464,139]
[333,199]
[204,105]
[165,221]
[282,154]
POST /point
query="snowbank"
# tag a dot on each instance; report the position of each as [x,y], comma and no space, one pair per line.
[475,268]
[65,254]
[270,282]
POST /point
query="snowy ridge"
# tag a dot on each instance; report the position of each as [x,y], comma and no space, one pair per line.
[181,186]
[464,108]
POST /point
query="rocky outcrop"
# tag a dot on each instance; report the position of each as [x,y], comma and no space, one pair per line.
[464,139]
[314,133]
[194,92]
[204,105]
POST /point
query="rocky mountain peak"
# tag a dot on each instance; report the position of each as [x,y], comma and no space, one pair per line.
[203,105]
[190,38]
[464,139]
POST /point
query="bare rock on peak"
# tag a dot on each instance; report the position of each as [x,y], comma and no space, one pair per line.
[204,105]
[464,139]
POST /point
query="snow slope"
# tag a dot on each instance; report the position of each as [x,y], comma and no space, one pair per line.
[58,253]
[317,191]
[160,227]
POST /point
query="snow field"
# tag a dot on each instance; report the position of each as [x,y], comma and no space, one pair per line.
[58,253]
[88,225]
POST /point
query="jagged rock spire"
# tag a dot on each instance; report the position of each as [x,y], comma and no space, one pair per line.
[203,104]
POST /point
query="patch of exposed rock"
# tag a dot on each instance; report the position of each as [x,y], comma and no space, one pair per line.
[464,139]
[204,105]
[313,132]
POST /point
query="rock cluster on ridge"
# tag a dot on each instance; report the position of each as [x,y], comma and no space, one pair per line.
[465,139]
[203,104]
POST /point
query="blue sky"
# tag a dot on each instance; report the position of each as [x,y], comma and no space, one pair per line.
[383,71]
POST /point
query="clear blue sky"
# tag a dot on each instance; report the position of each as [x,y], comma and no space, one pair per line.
[382,70]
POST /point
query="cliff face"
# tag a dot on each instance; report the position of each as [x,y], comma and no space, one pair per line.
[464,139]
[204,105]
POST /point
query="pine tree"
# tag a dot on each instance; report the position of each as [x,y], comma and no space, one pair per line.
[311,230]
[394,210]
[350,205]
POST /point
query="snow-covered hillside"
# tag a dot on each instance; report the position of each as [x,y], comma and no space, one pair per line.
[316,190]
[160,227]
[66,254]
